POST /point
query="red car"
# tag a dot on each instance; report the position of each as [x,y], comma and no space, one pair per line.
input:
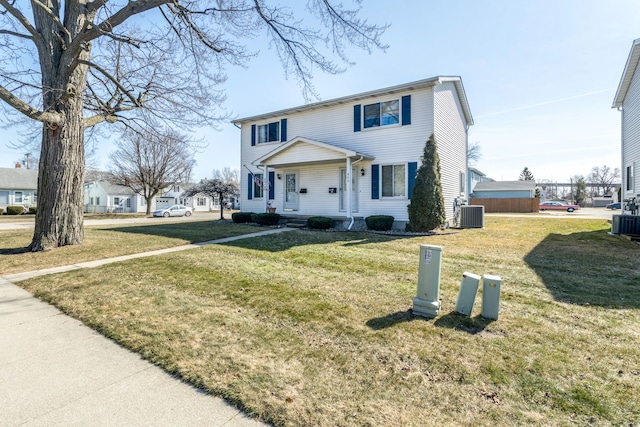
[558,206]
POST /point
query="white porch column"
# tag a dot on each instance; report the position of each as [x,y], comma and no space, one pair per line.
[349,189]
[265,187]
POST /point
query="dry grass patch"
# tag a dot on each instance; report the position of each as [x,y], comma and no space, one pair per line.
[109,241]
[314,328]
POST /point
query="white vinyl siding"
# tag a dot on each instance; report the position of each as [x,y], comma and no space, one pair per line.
[451,137]
[631,137]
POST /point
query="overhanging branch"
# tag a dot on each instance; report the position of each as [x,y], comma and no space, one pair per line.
[27,110]
[115,81]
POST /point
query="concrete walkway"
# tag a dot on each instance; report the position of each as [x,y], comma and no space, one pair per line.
[54,371]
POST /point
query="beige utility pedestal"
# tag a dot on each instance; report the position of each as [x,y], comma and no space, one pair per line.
[427,301]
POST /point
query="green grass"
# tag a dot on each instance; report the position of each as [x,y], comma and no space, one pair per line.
[315,328]
[108,241]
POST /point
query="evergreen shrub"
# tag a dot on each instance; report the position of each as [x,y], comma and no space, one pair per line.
[319,222]
[379,222]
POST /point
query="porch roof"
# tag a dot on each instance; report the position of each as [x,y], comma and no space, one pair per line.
[305,151]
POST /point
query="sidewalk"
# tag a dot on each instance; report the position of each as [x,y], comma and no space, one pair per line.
[55,371]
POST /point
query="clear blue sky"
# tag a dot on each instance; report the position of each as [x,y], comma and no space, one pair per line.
[540,77]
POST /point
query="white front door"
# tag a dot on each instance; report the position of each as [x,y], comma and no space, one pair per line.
[291,191]
[343,190]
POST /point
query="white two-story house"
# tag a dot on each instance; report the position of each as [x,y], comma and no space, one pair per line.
[355,156]
[627,100]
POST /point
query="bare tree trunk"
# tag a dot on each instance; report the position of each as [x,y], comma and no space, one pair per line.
[149,199]
[61,171]
[60,184]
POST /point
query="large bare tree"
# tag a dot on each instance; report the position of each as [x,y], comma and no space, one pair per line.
[605,178]
[75,64]
[150,161]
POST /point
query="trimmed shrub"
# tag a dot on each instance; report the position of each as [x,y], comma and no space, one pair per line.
[319,222]
[240,217]
[379,222]
[32,210]
[1,211]
[267,218]
[15,210]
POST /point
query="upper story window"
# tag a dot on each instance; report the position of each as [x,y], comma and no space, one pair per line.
[382,114]
[393,181]
[269,132]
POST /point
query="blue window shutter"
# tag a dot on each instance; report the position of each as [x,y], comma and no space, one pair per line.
[406,110]
[356,118]
[271,185]
[375,181]
[283,130]
[250,187]
[412,170]
[253,137]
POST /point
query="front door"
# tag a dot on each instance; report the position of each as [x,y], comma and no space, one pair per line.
[343,190]
[291,191]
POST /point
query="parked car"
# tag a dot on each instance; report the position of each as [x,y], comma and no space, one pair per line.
[175,210]
[558,206]
[614,206]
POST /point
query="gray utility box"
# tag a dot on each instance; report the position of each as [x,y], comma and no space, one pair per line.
[490,296]
[427,300]
[467,294]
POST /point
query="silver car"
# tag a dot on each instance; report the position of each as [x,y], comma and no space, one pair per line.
[175,210]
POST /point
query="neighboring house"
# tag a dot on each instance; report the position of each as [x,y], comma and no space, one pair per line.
[173,195]
[504,190]
[18,187]
[627,100]
[103,197]
[355,156]
[474,177]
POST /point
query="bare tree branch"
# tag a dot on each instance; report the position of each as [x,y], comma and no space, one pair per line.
[54,18]
[21,19]
[125,91]
[24,108]
[16,34]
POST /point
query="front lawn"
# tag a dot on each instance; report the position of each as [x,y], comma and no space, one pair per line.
[315,328]
[107,241]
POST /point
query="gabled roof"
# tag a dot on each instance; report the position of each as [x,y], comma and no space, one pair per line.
[627,74]
[326,152]
[114,189]
[365,95]
[18,179]
[505,186]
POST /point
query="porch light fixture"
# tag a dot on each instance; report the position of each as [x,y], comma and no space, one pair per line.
[279,176]
[362,171]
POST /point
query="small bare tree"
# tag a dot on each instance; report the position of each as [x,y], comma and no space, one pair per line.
[474,153]
[226,174]
[149,162]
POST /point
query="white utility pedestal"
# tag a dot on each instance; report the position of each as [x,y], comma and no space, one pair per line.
[467,294]
[427,301]
[490,296]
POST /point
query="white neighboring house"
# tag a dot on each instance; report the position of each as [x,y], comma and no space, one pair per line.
[18,187]
[103,197]
[174,195]
[627,100]
[355,156]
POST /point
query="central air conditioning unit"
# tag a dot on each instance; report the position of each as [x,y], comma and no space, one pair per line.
[472,216]
[625,224]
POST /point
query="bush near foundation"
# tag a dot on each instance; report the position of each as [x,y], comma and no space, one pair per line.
[267,218]
[32,210]
[14,210]
[319,222]
[379,222]
[241,217]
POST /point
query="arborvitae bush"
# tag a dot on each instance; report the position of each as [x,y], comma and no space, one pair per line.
[426,209]
[379,222]
[15,210]
[240,217]
[319,222]
[267,218]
